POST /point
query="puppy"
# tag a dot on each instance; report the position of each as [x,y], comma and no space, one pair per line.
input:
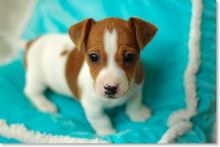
[98,64]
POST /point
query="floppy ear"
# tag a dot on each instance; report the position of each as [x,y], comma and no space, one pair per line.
[144,31]
[79,32]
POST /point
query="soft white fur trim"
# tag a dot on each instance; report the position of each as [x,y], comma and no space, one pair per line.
[21,133]
[175,131]
[184,115]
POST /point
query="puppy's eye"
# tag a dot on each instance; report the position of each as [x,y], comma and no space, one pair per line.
[93,57]
[129,57]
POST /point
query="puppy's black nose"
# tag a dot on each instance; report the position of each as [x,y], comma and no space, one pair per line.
[110,90]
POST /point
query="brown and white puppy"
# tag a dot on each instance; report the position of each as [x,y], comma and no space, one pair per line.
[99,65]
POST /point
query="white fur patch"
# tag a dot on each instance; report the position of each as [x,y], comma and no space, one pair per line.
[46,68]
[21,133]
[110,46]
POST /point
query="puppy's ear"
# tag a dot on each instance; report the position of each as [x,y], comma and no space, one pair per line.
[79,32]
[143,30]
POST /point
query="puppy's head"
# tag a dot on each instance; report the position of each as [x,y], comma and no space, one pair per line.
[112,48]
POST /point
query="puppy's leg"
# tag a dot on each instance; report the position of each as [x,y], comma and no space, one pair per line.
[34,90]
[98,119]
[135,109]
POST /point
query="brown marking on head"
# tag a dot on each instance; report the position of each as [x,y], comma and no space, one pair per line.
[74,63]
[128,44]
[132,36]
[95,68]
[95,41]
[129,67]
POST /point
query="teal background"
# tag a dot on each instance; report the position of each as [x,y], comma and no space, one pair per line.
[165,60]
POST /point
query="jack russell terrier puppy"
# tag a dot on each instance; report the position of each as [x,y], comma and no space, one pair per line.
[98,64]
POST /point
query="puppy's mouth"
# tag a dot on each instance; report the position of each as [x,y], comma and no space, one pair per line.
[111,96]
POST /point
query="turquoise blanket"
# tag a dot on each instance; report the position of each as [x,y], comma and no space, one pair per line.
[165,60]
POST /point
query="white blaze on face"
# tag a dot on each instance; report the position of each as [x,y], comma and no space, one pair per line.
[112,75]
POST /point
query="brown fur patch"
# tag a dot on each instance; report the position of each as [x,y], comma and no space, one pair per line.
[129,68]
[95,68]
[73,65]
[139,75]
[126,41]
[26,50]
[144,31]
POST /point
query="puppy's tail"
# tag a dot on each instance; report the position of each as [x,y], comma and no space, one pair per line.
[10,48]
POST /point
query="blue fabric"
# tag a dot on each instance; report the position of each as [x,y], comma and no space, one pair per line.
[165,60]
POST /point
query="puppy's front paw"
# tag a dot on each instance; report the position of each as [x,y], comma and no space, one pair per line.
[45,105]
[106,131]
[139,115]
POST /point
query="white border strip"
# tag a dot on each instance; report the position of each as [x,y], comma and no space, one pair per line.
[182,117]
[21,133]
